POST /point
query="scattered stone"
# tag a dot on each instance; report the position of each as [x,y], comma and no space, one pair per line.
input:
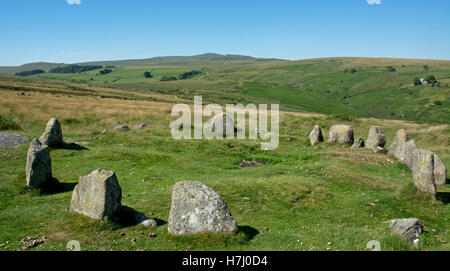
[440,172]
[376,138]
[379,149]
[11,140]
[134,240]
[30,242]
[423,171]
[245,163]
[316,135]
[409,229]
[144,220]
[52,135]
[342,134]
[97,195]
[152,235]
[220,120]
[122,128]
[197,208]
[39,165]
[359,143]
[141,126]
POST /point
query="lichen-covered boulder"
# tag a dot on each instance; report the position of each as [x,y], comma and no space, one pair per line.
[400,139]
[409,229]
[218,122]
[97,195]
[316,135]
[197,208]
[342,134]
[52,135]
[440,172]
[423,171]
[359,143]
[376,138]
[39,165]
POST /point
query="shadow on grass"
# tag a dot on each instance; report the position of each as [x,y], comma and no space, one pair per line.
[443,196]
[70,146]
[53,186]
[249,232]
[128,217]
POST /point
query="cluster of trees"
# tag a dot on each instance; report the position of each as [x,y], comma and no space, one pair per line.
[75,68]
[148,74]
[187,75]
[184,75]
[32,72]
[105,71]
[429,79]
[168,78]
[354,70]
[391,69]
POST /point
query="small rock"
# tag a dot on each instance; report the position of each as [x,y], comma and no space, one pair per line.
[381,150]
[141,126]
[122,128]
[409,229]
[152,234]
[245,163]
[359,143]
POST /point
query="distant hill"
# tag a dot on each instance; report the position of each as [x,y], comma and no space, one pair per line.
[208,59]
[205,60]
[46,66]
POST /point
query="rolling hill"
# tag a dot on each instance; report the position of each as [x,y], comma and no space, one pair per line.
[364,87]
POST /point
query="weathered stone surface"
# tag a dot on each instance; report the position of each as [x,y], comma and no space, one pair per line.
[39,165]
[375,138]
[197,208]
[409,229]
[406,153]
[316,135]
[423,171]
[11,140]
[97,195]
[220,120]
[359,143]
[381,150]
[342,134]
[440,172]
[141,126]
[122,128]
[400,139]
[52,135]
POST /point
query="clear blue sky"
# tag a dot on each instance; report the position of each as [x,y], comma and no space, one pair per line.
[55,31]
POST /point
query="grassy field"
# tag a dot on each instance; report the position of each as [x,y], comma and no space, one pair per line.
[302,199]
[361,87]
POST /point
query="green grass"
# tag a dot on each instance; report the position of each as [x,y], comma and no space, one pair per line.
[303,198]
